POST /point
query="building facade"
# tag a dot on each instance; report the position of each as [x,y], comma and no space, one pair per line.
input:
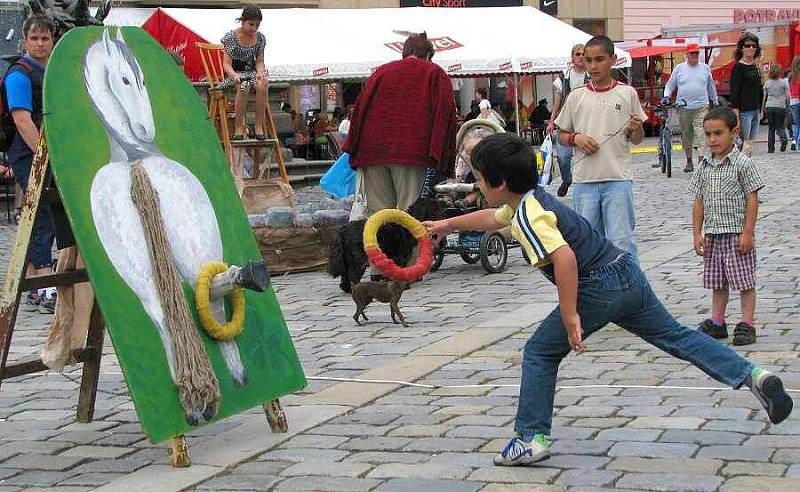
[646,18]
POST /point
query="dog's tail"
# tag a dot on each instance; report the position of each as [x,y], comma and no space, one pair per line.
[336,263]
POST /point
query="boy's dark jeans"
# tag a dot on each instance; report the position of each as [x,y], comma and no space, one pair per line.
[620,293]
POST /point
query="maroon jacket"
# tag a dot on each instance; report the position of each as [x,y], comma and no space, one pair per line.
[404,115]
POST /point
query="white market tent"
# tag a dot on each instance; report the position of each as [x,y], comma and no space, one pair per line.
[313,45]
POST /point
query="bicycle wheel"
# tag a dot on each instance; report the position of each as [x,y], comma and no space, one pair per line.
[668,151]
[662,150]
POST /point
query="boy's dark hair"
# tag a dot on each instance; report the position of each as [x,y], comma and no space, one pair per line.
[482,92]
[39,22]
[748,36]
[723,114]
[603,42]
[506,157]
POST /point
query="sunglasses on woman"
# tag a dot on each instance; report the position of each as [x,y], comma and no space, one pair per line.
[750,45]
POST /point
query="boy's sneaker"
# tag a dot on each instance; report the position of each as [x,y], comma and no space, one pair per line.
[713,330]
[48,305]
[768,388]
[518,452]
[564,188]
[744,334]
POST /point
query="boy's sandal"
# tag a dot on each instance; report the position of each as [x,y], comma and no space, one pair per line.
[713,330]
[260,136]
[744,334]
[238,137]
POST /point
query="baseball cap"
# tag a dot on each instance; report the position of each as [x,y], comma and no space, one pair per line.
[693,48]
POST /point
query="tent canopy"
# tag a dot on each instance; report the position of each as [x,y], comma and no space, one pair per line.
[336,44]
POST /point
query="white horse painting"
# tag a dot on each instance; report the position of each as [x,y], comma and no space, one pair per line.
[116,87]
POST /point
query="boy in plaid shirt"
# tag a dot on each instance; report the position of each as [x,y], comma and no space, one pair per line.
[725,188]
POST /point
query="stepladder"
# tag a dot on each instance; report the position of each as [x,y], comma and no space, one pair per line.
[248,158]
[41,193]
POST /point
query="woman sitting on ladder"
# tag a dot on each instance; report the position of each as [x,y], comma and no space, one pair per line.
[243,63]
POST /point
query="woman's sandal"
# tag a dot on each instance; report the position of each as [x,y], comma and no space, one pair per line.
[237,137]
[260,136]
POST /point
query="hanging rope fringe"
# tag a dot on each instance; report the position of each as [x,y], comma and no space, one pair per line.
[198,386]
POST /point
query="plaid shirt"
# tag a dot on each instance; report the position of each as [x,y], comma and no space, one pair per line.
[723,187]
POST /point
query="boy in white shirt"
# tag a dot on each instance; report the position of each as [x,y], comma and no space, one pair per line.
[601,120]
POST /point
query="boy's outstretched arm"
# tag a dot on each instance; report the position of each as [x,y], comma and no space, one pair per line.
[481,220]
[566,272]
[746,239]
[697,226]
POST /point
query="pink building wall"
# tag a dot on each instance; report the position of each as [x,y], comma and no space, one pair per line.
[645,18]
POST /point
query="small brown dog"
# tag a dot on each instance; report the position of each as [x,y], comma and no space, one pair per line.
[365,292]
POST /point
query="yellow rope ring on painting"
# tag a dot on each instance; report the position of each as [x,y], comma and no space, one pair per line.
[385,264]
[202,299]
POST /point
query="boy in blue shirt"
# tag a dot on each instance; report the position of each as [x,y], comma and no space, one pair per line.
[597,284]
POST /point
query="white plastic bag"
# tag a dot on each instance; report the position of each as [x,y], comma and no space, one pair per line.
[546,168]
[359,210]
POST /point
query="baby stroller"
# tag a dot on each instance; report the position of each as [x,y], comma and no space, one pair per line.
[463,196]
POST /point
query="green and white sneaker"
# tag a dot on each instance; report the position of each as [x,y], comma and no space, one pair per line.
[518,452]
[768,388]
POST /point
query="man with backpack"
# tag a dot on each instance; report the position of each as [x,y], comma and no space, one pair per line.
[570,79]
[22,104]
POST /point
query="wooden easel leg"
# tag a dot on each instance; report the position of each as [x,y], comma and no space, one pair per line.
[9,298]
[91,367]
[276,417]
[178,452]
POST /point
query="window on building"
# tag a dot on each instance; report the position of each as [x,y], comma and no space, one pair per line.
[595,27]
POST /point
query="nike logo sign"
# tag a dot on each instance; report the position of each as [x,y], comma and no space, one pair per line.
[547,4]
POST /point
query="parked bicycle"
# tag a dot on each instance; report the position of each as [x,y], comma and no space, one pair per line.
[665,136]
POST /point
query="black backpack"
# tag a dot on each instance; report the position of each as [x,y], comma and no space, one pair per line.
[7,127]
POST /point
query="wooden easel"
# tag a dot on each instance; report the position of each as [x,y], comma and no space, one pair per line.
[211,55]
[16,283]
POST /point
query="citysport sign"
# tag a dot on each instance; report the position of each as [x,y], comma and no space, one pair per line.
[765,15]
[460,3]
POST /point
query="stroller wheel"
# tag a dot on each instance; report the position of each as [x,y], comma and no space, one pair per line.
[493,252]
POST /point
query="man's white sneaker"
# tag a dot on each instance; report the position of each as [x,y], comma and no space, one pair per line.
[518,452]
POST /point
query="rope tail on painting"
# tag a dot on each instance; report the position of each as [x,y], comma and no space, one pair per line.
[156,215]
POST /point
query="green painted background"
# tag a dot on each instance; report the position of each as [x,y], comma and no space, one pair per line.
[79,147]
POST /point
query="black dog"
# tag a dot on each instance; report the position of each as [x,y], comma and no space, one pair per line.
[348,259]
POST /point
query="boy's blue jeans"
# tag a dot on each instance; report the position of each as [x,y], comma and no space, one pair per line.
[608,206]
[616,293]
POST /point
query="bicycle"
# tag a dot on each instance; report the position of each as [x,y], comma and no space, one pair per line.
[665,137]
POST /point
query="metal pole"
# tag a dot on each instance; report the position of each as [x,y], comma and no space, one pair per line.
[516,102]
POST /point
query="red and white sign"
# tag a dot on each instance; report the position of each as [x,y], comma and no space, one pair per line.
[443,43]
[319,72]
[765,15]
[454,68]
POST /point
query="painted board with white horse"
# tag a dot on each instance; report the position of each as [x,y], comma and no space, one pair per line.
[116,104]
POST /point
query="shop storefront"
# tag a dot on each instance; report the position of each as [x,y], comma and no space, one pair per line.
[645,19]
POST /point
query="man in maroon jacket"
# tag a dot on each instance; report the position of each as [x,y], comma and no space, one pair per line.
[404,122]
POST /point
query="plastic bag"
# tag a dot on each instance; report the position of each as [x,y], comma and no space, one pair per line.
[330,217]
[545,166]
[340,179]
[359,210]
[281,217]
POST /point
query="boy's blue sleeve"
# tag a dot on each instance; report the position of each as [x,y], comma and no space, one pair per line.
[19,92]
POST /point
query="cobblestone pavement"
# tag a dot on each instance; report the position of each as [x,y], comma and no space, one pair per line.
[467,327]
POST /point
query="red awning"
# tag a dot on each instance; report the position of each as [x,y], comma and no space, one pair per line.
[646,51]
